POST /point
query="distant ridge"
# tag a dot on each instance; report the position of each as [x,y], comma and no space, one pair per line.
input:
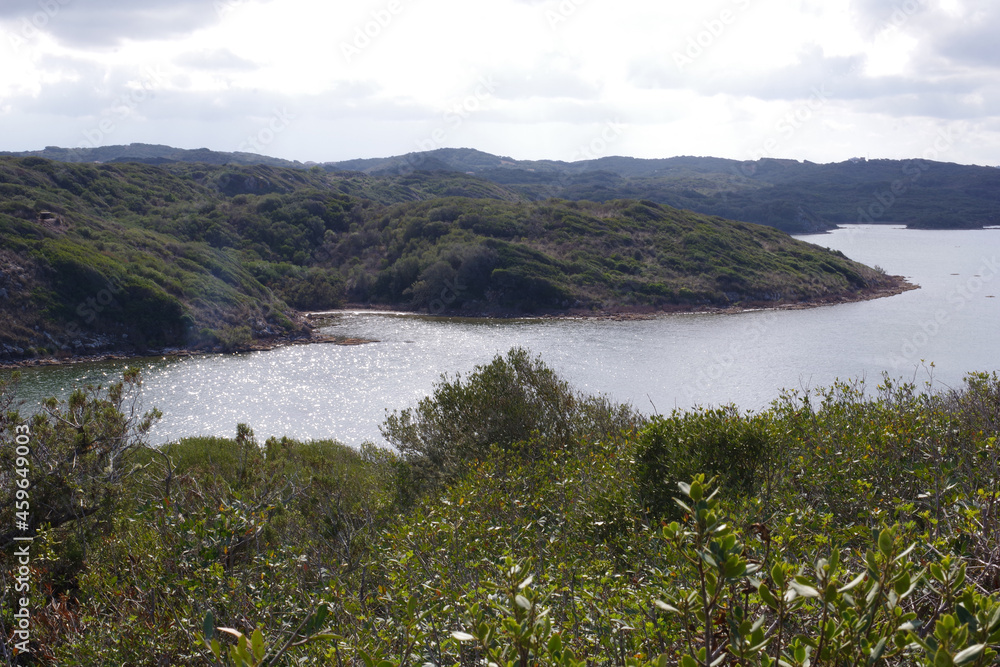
[793,196]
[152,154]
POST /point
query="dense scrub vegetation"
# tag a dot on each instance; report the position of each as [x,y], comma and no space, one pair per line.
[136,257]
[794,196]
[788,194]
[520,523]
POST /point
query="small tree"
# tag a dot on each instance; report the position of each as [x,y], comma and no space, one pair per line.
[74,454]
[515,403]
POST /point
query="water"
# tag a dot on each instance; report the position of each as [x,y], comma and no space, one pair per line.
[673,361]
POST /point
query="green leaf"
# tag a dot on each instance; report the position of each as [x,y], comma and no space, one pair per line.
[885,542]
[969,654]
[257,642]
[902,584]
[906,553]
[522,602]
[877,651]
[767,596]
[778,575]
[688,661]
[804,590]
[208,627]
[854,582]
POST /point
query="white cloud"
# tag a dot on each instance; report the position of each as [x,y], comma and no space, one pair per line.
[722,77]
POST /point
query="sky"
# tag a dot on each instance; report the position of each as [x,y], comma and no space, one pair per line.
[330,80]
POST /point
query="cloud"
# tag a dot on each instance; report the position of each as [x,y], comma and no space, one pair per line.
[215,60]
[107,23]
[971,41]
[790,82]
[550,76]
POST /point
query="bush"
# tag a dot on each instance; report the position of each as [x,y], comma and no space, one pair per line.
[515,402]
[721,442]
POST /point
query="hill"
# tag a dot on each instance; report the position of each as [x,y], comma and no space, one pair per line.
[787,194]
[794,196]
[135,257]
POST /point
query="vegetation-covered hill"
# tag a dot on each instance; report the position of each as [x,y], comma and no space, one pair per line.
[517,522]
[136,256]
[492,256]
[790,195]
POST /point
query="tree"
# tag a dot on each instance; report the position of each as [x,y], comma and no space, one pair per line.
[516,403]
[69,459]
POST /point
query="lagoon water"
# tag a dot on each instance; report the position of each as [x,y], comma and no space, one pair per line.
[657,365]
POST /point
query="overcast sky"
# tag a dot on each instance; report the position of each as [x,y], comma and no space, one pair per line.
[312,80]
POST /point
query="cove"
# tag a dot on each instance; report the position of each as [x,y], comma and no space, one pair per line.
[936,334]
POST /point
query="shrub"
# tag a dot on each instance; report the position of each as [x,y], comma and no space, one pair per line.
[515,402]
[721,442]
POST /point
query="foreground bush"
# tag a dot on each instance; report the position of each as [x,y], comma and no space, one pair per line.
[736,448]
[865,534]
[515,402]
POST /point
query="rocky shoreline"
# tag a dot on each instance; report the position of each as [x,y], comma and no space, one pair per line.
[258,345]
[895,285]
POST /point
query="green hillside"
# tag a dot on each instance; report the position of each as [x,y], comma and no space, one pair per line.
[795,196]
[481,255]
[788,194]
[131,256]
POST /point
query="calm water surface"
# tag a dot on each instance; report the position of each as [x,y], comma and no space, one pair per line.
[673,361]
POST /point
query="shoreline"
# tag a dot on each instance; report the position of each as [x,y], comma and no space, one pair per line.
[260,345]
[897,285]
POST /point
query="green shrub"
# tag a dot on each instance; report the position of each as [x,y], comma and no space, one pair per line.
[515,402]
[721,442]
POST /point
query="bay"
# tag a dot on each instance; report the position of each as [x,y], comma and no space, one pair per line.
[934,334]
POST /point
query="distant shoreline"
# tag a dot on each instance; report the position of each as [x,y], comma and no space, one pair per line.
[896,285]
